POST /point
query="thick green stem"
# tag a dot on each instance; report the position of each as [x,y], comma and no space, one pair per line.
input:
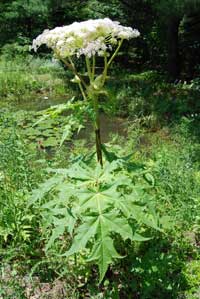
[89,71]
[71,66]
[82,91]
[91,75]
[93,67]
[115,53]
[105,71]
[97,130]
[76,73]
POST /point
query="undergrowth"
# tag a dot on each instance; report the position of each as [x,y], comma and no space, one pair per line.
[27,78]
[167,155]
[156,269]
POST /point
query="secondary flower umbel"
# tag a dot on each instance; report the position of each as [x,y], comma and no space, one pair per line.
[88,38]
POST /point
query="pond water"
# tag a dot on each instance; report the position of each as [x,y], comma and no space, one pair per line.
[41,103]
[110,125]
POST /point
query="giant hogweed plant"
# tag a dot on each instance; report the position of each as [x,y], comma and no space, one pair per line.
[94,203]
[92,38]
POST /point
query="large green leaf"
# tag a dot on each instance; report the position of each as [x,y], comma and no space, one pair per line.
[103,252]
[94,205]
[44,188]
[84,233]
[100,227]
[112,223]
[57,232]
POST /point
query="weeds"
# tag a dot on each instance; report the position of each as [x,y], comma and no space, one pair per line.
[23,79]
[166,266]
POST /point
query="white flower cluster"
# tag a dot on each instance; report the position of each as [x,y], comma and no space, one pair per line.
[88,38]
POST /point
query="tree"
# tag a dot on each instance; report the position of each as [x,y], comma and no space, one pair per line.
[62,12]
[171,13]
[159,22]
[20,17]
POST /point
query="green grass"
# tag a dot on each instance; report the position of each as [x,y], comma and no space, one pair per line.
[148,97]
[158,268]
[25,79]
[171,156]
[168,266]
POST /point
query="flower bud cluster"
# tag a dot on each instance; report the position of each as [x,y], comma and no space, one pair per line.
[85,38]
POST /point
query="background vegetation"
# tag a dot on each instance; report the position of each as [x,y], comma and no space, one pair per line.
[152,112]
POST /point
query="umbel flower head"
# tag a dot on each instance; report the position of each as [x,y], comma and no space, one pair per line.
[85,38]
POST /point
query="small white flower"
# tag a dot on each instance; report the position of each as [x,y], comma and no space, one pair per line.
[85,38]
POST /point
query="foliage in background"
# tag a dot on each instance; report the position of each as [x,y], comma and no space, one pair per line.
[163,137]
[24,78]
[17,178]
[169,32]
[148,98]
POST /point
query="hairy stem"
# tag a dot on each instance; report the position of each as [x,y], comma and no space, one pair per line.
[71,66]
[91,74]
[77,74]
[82,91]
[89,71]
[93,67]
[97,130]
[115,53]
[105,70]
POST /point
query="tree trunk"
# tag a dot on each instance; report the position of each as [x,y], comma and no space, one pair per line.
[173,48]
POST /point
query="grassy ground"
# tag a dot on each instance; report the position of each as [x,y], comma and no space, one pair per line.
[36,80]
[165,144]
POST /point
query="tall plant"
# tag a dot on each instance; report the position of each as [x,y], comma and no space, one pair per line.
[92,38]
[97,206]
